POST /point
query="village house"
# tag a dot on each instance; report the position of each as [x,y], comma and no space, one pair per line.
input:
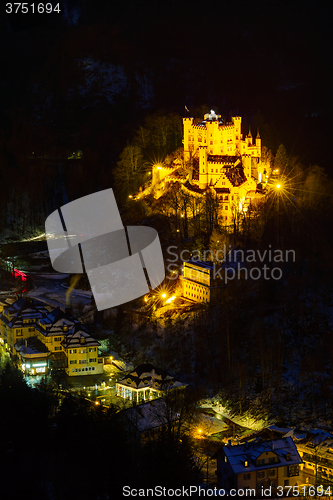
[315,447]
[259,464]
[81,351]
[45,339]
[145,383]
[18,320]
[33,356]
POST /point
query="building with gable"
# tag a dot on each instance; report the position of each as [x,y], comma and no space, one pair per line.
[81,351]
[145,383]
[33,355]
[45,339]
[18,320]
[259,464]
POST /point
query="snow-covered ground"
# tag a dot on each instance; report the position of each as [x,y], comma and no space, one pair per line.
[245,420]
[48,289]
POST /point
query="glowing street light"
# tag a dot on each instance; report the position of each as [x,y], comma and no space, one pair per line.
[163,295]
[130,196]
[278,186]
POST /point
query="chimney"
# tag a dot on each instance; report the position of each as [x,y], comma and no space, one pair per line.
[273,445]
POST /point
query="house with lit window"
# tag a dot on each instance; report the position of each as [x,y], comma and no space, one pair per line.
[146,383]
[259,464]
[33,356]
[223,163]
[315,447]
[52,330]
[81,351]
[200,281]
[18,320]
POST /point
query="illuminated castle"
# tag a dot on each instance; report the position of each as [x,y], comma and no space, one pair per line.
[229,165]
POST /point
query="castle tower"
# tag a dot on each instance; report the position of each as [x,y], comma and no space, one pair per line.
[203,167]
[237,121]
[258,143]
[249,138]
[187,126]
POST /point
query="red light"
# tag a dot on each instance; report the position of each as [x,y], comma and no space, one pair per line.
[17,273]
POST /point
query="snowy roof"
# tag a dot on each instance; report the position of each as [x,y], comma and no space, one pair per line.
[57,322]
[22,310]
[296,434]
[79,338]
[284,450]
[146,375]
[31,346]
[282,430]
[150,415]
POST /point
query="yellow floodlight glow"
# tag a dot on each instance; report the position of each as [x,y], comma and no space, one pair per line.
[278,186]
[130,196]
[171,299]
[146,299]
[163,295]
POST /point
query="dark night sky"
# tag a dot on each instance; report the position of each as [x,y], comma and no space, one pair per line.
[268,61]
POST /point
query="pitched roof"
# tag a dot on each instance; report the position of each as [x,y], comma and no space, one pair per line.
[31,345]
[283,448]
[22,310]
[57,322]
[146,375]
[79,338]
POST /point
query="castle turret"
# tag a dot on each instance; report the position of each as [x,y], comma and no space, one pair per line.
[258,143]
[249,138]
[187,126]
[203,168]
